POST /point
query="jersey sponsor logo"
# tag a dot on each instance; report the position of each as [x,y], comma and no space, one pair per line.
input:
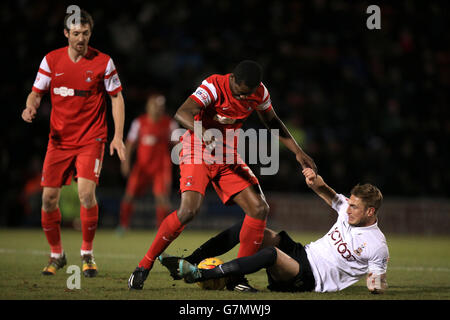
[64,91]
[69,92]
[340,245]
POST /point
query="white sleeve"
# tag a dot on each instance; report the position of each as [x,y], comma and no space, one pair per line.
[43,77]
[378,261]
[111,79]
[266,102]
[340,204]
[134,130]
[205,94]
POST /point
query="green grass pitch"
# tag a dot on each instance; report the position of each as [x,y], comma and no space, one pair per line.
[419,269]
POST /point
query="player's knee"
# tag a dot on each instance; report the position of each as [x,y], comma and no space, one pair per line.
[87,199]
[185,215]
[271,238]
[49,202]
[261,211]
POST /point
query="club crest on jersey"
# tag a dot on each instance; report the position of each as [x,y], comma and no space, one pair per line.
[189,181]
[360,249]
[89,75]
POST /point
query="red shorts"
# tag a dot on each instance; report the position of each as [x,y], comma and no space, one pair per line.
[60,164]
[140,179]
[227,179]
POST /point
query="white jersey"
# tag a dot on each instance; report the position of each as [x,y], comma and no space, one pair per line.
[346,253]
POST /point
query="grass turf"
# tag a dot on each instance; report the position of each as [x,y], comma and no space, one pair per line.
[419,269]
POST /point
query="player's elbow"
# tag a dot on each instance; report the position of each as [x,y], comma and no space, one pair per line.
[178,117]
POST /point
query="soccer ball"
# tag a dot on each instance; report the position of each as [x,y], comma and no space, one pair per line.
[211,284]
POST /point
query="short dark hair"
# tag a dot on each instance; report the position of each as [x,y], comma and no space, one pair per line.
[85,18]
[369,194]
[249,72]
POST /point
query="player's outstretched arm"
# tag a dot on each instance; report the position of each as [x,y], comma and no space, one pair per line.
[271,121]
[316,183]
[118,112]
[32,104]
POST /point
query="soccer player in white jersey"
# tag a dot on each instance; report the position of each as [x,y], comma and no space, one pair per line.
[354,247]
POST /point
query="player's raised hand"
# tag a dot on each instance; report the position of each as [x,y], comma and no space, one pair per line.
[119,146]
[28,114]
[313,180]
[310,176]
[306,161]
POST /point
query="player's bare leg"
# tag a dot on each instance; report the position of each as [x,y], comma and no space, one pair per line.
[51,224]
[191,202]
[89,221]
[285,268]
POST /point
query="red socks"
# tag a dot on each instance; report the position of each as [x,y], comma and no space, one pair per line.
[89,220]
[51,224]
[251,236]
[126,210]
[169,230]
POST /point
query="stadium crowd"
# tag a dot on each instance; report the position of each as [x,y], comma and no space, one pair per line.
[369,105]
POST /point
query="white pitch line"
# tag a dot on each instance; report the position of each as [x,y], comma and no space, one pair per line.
[421,269]
[130,256]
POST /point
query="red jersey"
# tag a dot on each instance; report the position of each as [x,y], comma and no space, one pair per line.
[153,141]
[222,111]
[78,95]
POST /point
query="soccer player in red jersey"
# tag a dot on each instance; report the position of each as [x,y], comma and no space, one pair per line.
[77,77]
[221,102]
[149,135]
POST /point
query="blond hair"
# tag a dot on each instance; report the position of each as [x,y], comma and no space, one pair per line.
[369,194]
